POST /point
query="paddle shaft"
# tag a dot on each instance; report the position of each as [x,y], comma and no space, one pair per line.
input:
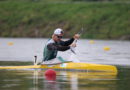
[75,41]
[80,32]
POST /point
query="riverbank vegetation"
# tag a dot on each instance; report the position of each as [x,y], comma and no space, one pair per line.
[38,18]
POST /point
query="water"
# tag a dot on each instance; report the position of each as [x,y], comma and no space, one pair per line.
[22,53]
[35,80]
[24,49]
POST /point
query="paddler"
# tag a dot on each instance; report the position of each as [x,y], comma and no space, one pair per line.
[56,44]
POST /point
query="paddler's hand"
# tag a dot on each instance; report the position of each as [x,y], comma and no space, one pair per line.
[73,45]
[76,36]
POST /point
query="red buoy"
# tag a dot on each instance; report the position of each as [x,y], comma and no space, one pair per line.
[50,74]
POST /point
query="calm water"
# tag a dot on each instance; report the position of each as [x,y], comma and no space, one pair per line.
[23,50]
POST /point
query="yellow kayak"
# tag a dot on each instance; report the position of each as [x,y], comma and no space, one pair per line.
[69,66]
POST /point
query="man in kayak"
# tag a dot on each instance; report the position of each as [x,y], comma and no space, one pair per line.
[56,44]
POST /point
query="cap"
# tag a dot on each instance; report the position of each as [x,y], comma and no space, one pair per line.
[58,31]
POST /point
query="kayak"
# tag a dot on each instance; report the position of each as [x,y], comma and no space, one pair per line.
[72,66]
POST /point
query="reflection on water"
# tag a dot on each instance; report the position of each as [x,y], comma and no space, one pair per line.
[35,80]
[84,80]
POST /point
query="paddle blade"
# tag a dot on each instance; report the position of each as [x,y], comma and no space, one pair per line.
[73,58]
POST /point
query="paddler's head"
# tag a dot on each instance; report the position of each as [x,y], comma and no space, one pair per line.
[57,35]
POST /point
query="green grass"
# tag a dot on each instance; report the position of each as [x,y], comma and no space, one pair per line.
[38,19]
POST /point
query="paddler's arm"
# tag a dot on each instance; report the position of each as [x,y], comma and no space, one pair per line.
[53,46]
[67,43]
[70,41]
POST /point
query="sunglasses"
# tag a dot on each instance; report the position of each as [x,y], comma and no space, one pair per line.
[59,36]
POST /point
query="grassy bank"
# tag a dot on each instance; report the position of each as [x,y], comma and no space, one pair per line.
[39,18]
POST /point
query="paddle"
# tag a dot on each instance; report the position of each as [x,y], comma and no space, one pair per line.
[75,41]
[73,56]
